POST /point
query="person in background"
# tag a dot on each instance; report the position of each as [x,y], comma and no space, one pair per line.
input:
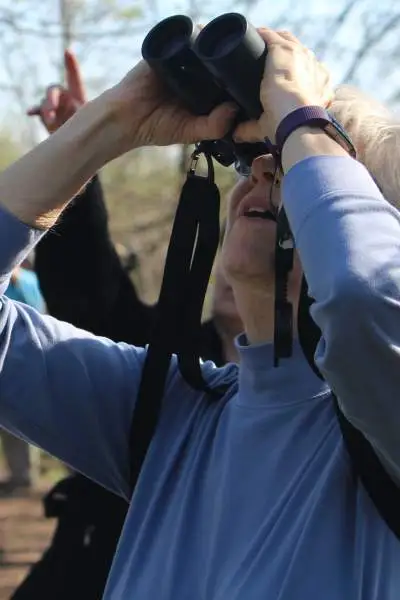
[22,460]
[24,287]
[100,297]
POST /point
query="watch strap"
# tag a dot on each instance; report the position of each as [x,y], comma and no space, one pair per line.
[313,116]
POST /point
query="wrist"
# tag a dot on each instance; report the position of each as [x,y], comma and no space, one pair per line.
[38,187]
[305,142]
[122,123]
[282,108]
[96,133]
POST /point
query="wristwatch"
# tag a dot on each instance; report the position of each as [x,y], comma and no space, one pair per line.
[313,116]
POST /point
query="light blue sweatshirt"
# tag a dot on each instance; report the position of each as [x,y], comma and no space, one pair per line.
[252,497]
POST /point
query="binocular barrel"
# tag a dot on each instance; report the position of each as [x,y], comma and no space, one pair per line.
[168,49]
[224,61]
[234,52]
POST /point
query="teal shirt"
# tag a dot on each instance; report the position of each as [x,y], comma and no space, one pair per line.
[26,289]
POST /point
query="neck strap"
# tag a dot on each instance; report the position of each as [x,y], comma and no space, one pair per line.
[190,257]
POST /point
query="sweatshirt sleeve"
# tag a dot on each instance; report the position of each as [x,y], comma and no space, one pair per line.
[62,388]
[348,239]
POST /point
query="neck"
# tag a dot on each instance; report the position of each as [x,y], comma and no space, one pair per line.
[228,328]
[256,305]
[257,311]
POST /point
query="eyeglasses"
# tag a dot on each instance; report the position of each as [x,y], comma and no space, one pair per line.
[242,169]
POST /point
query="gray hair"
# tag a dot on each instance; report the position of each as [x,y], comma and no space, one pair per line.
[375,132]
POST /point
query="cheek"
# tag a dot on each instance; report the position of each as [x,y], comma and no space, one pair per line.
[236,195]
[275,196]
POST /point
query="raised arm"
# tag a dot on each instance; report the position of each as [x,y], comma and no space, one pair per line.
[100,296]
[61,388]
[348,238]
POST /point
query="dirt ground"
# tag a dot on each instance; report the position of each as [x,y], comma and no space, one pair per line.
[24,534]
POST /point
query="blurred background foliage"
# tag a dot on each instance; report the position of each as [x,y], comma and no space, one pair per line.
[358,39]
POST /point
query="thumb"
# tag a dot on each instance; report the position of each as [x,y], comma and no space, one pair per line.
[217,123]
[34,111]
[249,131]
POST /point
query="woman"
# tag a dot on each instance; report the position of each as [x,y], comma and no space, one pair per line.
[85,283]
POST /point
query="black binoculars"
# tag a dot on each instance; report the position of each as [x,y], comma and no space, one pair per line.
[222,62]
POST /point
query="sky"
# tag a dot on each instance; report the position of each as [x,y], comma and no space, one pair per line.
[29,63]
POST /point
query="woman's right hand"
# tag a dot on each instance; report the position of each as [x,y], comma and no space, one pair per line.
[293,78]
[59,102]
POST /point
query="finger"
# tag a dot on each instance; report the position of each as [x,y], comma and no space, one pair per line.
[51,104]
[248,132]
[34,111]
[74,78]
[270,36]
[216,124]
[289,37]
[52,97]
[327,73]
[325,78]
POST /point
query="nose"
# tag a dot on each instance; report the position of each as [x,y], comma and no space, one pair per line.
[263,169]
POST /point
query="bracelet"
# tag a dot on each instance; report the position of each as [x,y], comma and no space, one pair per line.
[313,116]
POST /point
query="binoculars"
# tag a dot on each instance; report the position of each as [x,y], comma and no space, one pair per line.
[203,68]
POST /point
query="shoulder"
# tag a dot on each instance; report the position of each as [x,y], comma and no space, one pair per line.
[181,399]
[215,377]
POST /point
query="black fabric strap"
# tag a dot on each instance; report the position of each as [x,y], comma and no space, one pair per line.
[191,252]
[206,203]
[381,488]
[308,331]
[283,317]
[163,338]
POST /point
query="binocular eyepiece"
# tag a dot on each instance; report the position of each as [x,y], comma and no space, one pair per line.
[222,62]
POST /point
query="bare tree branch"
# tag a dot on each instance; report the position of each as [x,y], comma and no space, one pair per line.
[372,38]
[326,41]
[81,35]
[17,88]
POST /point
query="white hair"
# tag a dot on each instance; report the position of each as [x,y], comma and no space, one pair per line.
[375,132]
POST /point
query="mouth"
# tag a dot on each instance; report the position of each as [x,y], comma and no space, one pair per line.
[256,206]
[259,213]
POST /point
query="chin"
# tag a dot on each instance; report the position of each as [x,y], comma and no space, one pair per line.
[249,253]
